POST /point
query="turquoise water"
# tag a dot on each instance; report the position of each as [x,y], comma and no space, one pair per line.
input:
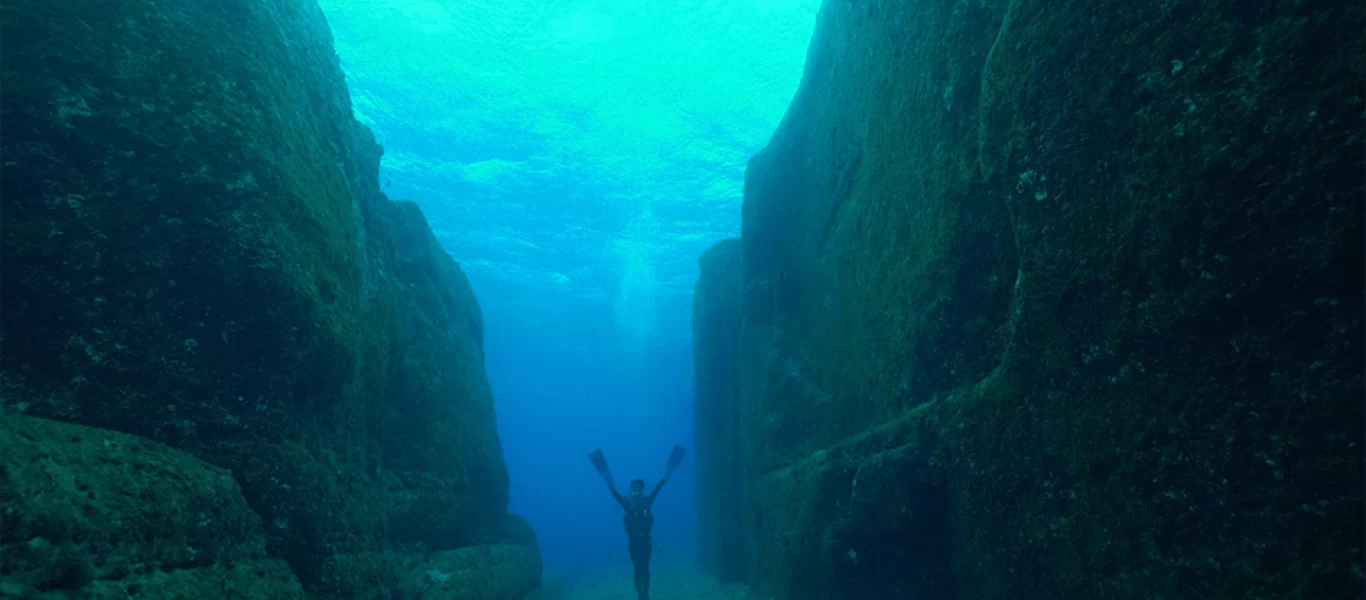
[576,157]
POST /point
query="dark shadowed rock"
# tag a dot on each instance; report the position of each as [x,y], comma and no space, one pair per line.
[716,411]
[104,513]
[444,452]
[492,572]
[196,251]
[1109,254]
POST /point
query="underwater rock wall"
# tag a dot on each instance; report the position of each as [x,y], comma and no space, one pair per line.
[716,411]
[1056,300]
[196,251]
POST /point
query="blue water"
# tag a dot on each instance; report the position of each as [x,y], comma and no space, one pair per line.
[576,157]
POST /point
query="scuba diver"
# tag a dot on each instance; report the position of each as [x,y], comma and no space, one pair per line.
[638,520]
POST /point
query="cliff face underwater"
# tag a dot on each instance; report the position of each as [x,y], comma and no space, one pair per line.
[1040,300]
[231,367]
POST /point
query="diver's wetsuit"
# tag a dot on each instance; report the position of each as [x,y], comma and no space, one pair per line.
[639,520]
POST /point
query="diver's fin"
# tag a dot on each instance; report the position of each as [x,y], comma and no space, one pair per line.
[676,457]
[600,463]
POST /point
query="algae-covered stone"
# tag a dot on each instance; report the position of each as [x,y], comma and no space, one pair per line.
[97,513]
[447,455]
[501,559]
[183,249]
[196,251]
[359,575]
[511,529]
[862,519]
[493,572]
[1110,252]
[262,579]
[716,411]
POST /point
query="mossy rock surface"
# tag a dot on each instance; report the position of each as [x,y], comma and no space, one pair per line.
[265,579]
[359,575]
[491,572]
[863,518]
[94,513]
[1110,253]
[196,251]
[716,410]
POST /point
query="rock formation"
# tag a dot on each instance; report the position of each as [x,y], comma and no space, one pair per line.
[716,304]
[114,515]
[1048,300]
[196,251]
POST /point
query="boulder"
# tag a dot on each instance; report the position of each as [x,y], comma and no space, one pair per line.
[94,513]
[490,572]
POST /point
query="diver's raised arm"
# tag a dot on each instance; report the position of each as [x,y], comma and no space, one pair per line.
[658,486]
[620,500]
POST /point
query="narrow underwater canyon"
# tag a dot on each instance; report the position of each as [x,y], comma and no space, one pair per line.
[1046,300]
[232,368]
[1030,301]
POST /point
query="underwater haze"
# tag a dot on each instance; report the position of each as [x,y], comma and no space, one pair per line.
[1030,300]
[576,157]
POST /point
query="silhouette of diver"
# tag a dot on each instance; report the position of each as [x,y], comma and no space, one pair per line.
[638,519]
